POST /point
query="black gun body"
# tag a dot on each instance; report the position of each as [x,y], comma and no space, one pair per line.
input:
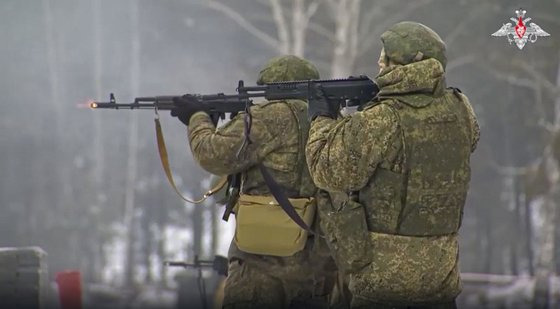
[352,91]
[217,103]
[349,92]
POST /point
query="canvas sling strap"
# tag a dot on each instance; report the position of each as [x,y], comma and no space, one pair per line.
[282,200]
[162,149]
[275,189]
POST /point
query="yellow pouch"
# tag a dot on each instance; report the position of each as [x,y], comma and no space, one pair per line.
[262,227]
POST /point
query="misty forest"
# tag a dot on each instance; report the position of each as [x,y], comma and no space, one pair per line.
[88,187]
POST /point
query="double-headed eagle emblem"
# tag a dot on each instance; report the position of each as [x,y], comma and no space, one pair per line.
[520,33]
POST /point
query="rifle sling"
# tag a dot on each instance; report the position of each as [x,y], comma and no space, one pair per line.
[273,186]
[165,163]
[282,200]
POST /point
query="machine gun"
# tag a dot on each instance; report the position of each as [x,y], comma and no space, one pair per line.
[219,264]
[351,91]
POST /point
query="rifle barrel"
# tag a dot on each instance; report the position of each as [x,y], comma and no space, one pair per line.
[136,105]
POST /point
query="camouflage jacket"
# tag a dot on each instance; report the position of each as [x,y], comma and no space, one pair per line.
[404,193]
[274,142]
[343,154]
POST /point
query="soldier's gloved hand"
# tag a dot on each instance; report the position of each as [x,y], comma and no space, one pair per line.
[319,105]
[185,107]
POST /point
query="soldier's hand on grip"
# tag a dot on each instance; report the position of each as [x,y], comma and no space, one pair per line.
[319,105]
[186,106]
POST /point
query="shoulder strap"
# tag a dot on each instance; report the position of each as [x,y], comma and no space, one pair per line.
[282,200]
[165,164]
[303,126]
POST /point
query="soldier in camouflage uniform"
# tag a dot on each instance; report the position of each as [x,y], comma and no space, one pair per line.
[278,134]
[398,173]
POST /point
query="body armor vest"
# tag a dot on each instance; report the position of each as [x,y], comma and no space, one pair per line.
[423,192]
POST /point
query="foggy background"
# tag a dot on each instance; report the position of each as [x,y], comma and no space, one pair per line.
[87,186]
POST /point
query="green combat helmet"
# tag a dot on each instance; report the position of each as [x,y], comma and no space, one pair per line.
[408,42]
[285,68]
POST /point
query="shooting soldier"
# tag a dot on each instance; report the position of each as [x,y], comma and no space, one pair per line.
[398,174]
[273,262]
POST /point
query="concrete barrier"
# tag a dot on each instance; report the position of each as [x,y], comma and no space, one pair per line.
[23,277]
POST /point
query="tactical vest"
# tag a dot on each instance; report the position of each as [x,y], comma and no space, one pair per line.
[423,192]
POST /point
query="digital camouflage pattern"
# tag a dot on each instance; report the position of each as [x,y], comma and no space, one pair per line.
[406,42]
[438,138]
[262,281]
[274,142]
[286,68]
[407,156]
[278,134]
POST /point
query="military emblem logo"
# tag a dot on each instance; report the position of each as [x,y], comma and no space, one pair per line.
[520,33]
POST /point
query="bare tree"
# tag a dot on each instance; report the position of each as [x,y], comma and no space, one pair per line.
[291,24]
[543,175]
[98,153]
[132,162]
[551,165]
[351,35]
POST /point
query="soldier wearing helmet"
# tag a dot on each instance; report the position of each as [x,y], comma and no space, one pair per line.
[397,173]
[273,263]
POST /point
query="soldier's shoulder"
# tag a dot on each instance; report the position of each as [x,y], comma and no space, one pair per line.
[277,107]
[384,105]
[268,105]
[271,110]
[382,114]
[276,103]
[462,99]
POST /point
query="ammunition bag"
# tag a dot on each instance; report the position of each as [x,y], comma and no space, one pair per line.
[347,235]
[262,227]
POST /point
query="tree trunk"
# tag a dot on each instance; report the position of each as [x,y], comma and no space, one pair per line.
[549,209]
[161,253]
[98,153]
[147,241]
[132,147]
[159,233]
[54,77]
[489,245]
[299,27]
[214,222]
[198,227]
[517,237]
[529,235]
[347,15]
[557,243]
[556,192]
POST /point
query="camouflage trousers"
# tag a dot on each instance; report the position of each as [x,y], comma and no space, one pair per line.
[259,281]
